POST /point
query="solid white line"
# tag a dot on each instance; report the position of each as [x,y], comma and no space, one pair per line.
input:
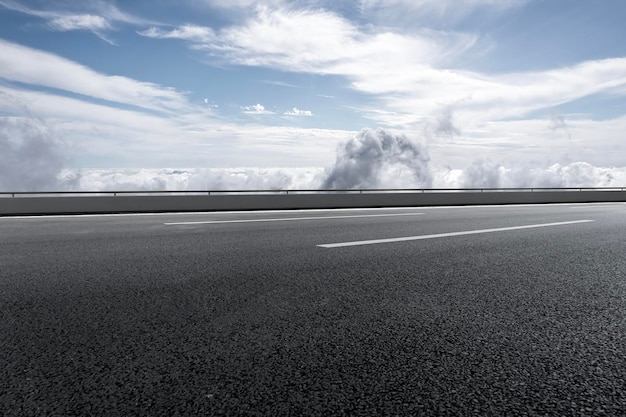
[469,232]
[603,205]
[286,219]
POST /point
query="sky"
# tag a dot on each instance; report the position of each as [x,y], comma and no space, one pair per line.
[302,93]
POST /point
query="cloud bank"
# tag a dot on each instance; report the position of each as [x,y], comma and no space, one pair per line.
[480,174]
[32,160]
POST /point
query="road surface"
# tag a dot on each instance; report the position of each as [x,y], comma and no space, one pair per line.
[498,310]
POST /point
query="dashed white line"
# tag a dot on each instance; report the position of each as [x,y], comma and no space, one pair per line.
[286,219]
[438,235]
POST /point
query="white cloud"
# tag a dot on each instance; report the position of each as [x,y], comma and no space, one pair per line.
[298,112]
[125,137]
[197,179]
[411,73]
[95,16]
[79,22]
[411,77]
[95,24]
[244,4]
[534,142]
[256,109]
[311,41]
[192,33]
[439,8]
[479,174]
[280,83]
[31,66]
[483,173]
[31,155]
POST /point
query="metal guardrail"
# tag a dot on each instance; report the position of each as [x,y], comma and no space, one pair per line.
[302,191]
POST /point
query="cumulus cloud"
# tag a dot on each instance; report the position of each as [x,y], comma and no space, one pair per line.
[256,109]
[480,174]
[582,174]
[199,179]
[374,159]
[210,103]
[298,112]
[484,173]
[32,157]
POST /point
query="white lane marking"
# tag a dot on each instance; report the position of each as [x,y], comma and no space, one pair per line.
[286,219]
[438,235]
[603,205]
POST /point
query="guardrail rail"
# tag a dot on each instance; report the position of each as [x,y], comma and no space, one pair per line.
[116,193]
[144,201]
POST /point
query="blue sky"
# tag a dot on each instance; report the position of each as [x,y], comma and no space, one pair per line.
[277,83]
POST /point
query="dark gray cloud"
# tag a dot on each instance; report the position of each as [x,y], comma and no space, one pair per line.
[373,158]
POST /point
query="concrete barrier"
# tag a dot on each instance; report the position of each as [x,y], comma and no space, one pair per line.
[38,205]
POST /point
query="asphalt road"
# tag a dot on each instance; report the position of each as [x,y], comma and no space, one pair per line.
[207,314]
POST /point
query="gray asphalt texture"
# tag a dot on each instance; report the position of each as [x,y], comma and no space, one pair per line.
[127,316]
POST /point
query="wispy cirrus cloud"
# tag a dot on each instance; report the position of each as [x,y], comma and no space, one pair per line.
[79,22]
[280,83]
[438,8]
[317,41]
[38,68]
[97,17]
[197,35]
[413,75]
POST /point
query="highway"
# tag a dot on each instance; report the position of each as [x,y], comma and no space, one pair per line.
[492,310]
